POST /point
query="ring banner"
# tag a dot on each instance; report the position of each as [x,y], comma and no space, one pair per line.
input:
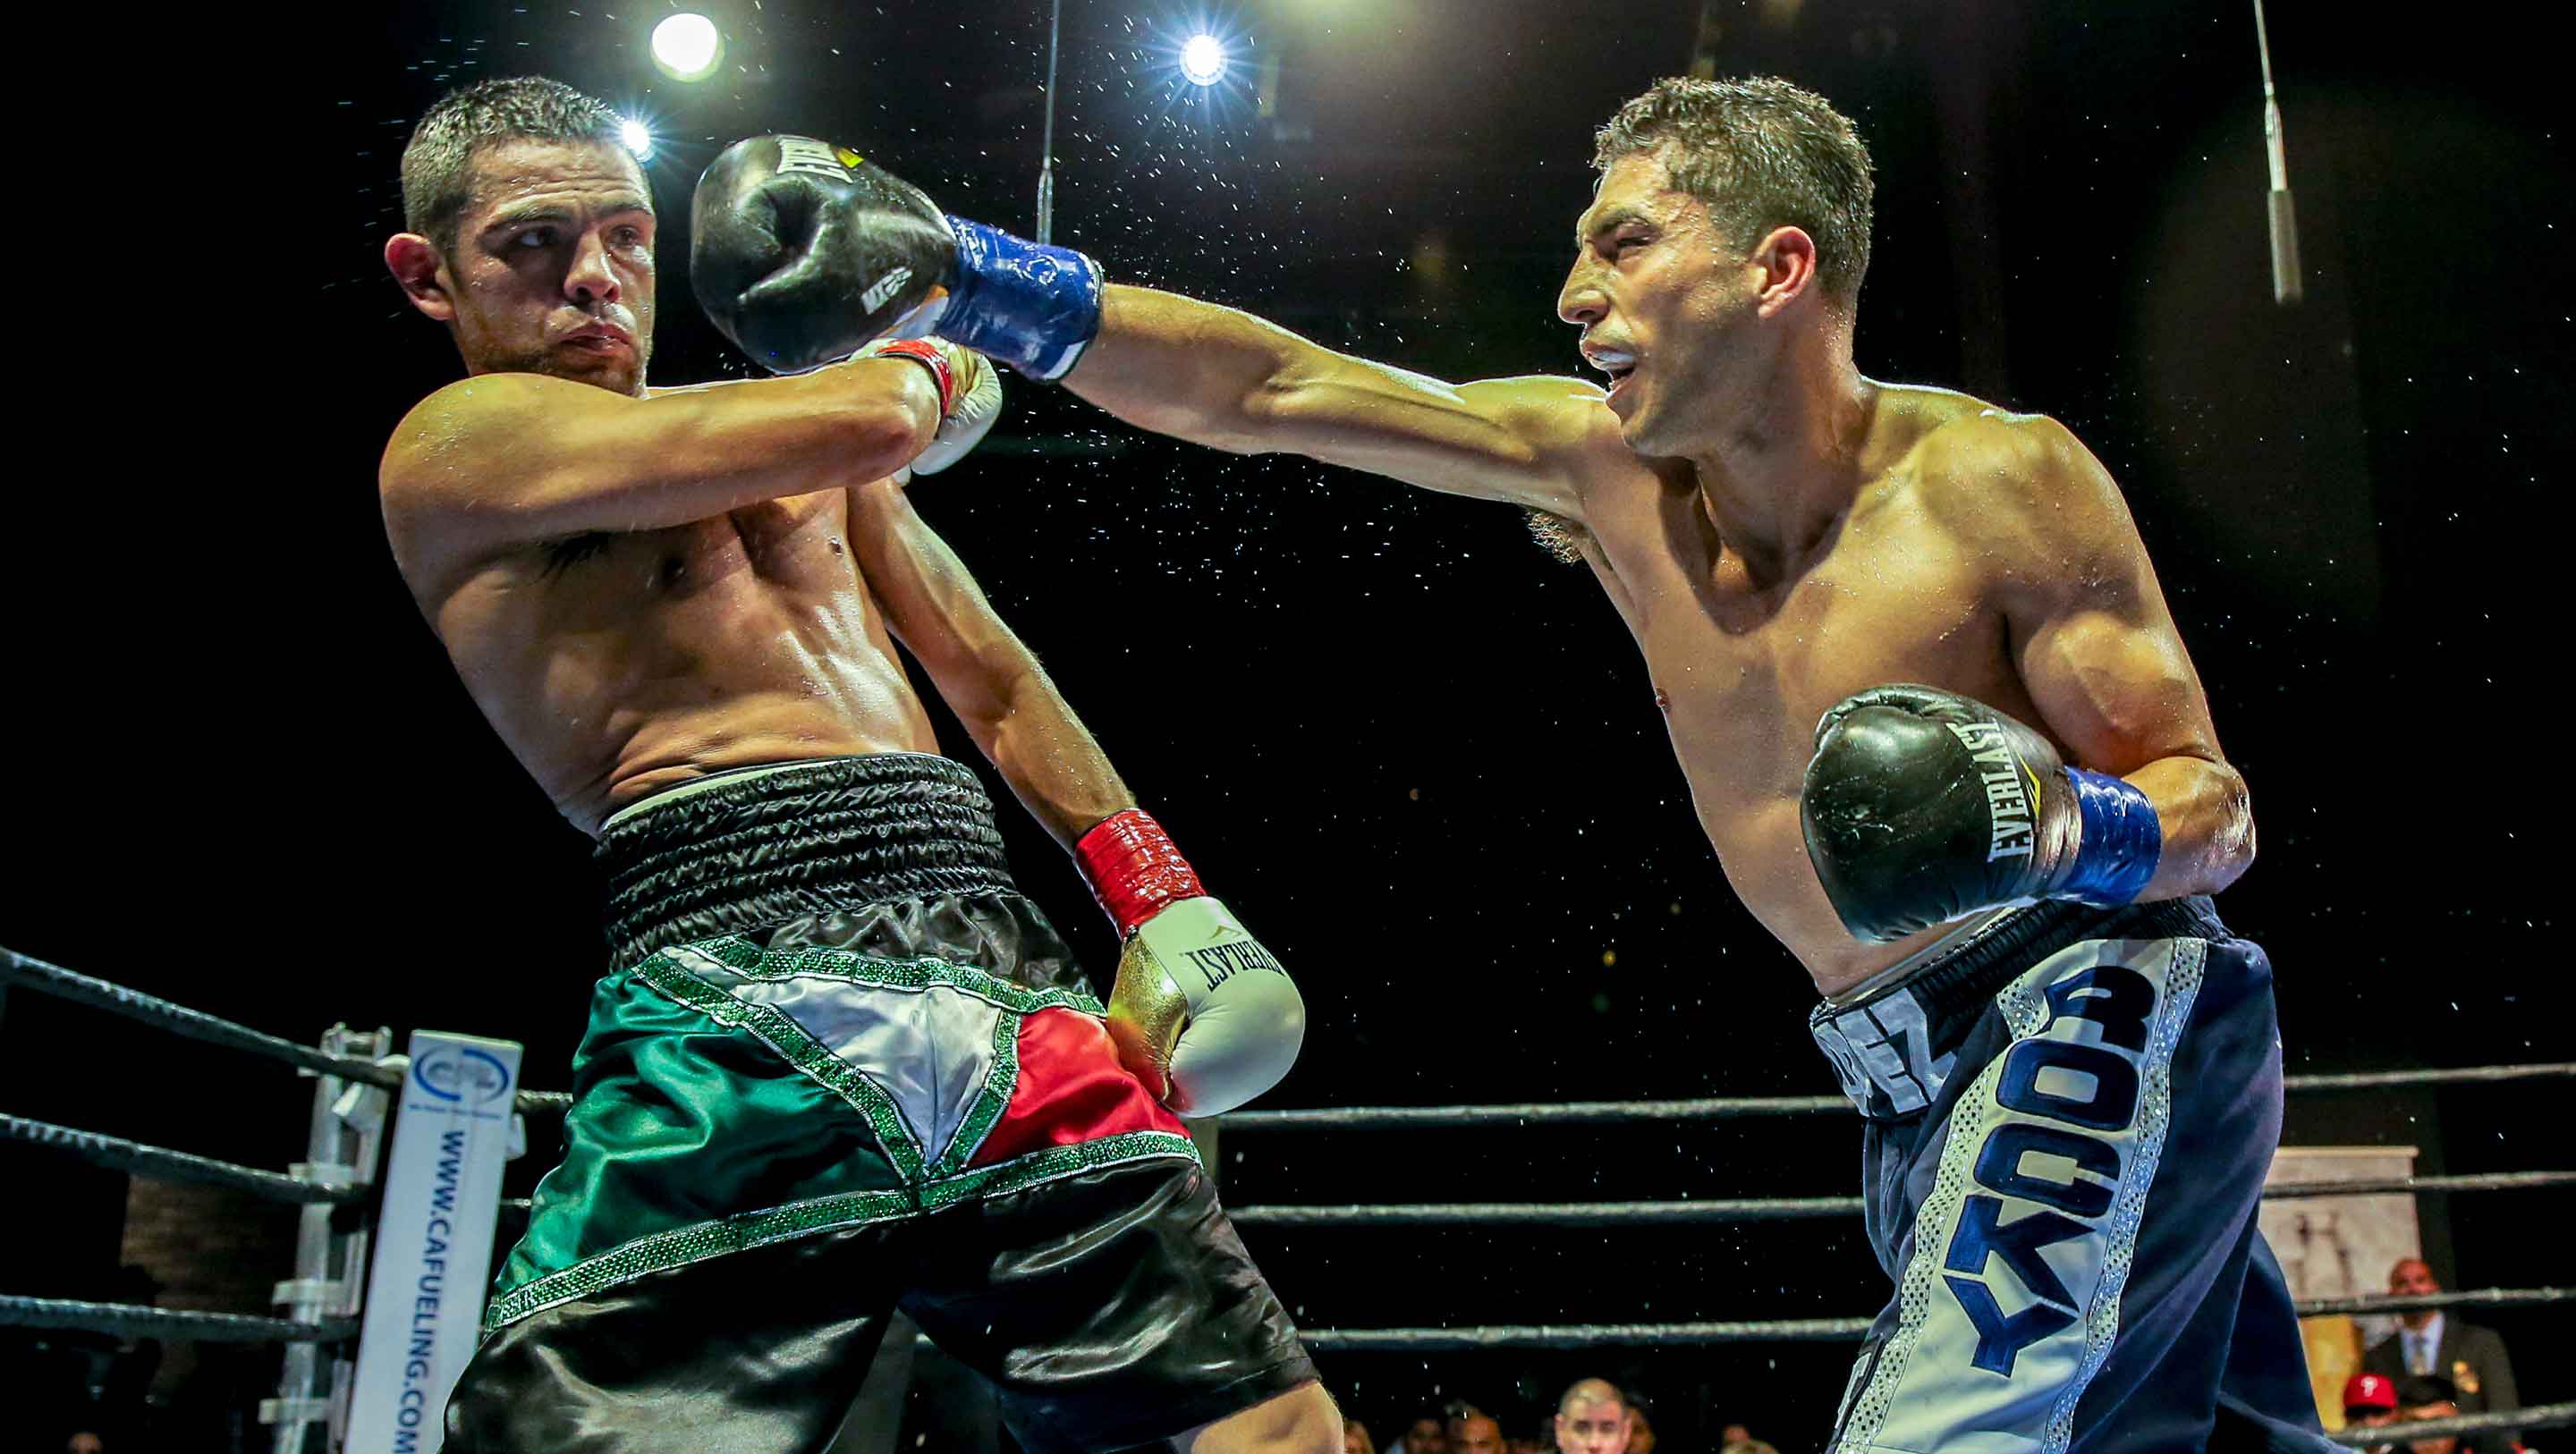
[433,1256]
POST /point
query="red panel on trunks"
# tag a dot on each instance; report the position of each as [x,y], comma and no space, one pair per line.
[1071,1089]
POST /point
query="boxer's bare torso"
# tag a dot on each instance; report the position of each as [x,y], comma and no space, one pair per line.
[618,665]
[1746,657]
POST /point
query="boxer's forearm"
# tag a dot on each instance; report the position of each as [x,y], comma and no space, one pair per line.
[1185,368]
[1223,378]
[983,671]
[1053,765]
[2208,825]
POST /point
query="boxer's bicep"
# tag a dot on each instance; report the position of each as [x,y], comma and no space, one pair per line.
[1523,441]
[2100,657]
[2116,693]
[2090,633]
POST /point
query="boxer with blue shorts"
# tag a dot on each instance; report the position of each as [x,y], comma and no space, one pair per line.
[2070,1103]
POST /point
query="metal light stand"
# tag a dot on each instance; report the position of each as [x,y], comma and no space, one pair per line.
[2286,287]
[1046,147]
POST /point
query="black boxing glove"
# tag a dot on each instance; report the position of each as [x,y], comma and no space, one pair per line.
[801,251]
[1922,806]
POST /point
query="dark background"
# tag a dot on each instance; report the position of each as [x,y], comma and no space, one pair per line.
[1415,754]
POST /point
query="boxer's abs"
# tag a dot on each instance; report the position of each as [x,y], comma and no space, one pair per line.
[618,666]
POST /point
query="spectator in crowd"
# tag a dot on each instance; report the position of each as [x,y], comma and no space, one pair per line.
[1355,1438]
[1641,1429]
[1423,1436]
[2430,1345]
[2370,1402]
[2424,1396]
[1473,1431]
[1592,1417]
[1737,1439]
[85,1442]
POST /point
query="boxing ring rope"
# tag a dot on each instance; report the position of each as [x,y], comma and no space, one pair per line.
[125,1320]
[1811,1330]
[135,1158]
[1378,1118]
[1773,1209]
[27,971]
[2538,1416]
[344,1143]
[324,1184]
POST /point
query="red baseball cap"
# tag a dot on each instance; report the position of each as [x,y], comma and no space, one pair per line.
[2369,1391]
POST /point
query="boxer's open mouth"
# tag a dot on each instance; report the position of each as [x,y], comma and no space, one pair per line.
[1615,364]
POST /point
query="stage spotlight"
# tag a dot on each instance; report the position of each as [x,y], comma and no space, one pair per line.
[687,47]
[638,139]
[1203,60]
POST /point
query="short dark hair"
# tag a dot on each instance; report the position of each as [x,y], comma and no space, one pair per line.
[435,163]
[2427,1388]
[1761,153]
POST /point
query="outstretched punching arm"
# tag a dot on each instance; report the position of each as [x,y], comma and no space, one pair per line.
[1220,377]
[804,251]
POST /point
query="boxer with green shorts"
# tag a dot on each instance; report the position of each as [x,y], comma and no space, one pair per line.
[838,1065]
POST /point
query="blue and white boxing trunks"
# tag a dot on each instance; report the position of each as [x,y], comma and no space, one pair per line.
[2069,1113]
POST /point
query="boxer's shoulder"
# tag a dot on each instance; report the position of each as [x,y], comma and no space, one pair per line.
[2018,481]
[468,417]
[452,456]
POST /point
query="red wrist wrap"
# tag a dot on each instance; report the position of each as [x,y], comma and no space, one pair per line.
[1134,869]
[927,354]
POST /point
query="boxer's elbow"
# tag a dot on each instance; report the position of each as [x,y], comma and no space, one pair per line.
[877,437]
[2231,839]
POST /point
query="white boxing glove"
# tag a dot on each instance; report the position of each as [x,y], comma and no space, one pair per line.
[1201,1012]
[970,396]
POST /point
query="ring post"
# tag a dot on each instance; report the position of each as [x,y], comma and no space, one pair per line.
[433,1253]
[345,1136]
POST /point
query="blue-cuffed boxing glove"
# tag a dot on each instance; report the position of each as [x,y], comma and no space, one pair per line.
[803,251]
[1922,806]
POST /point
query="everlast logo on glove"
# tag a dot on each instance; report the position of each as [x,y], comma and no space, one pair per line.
[1222,962]
[2007,804]
[817,158]
[1921,807]
[884,288]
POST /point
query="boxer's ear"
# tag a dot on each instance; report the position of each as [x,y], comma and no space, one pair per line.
[1787,259]
[417,266]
